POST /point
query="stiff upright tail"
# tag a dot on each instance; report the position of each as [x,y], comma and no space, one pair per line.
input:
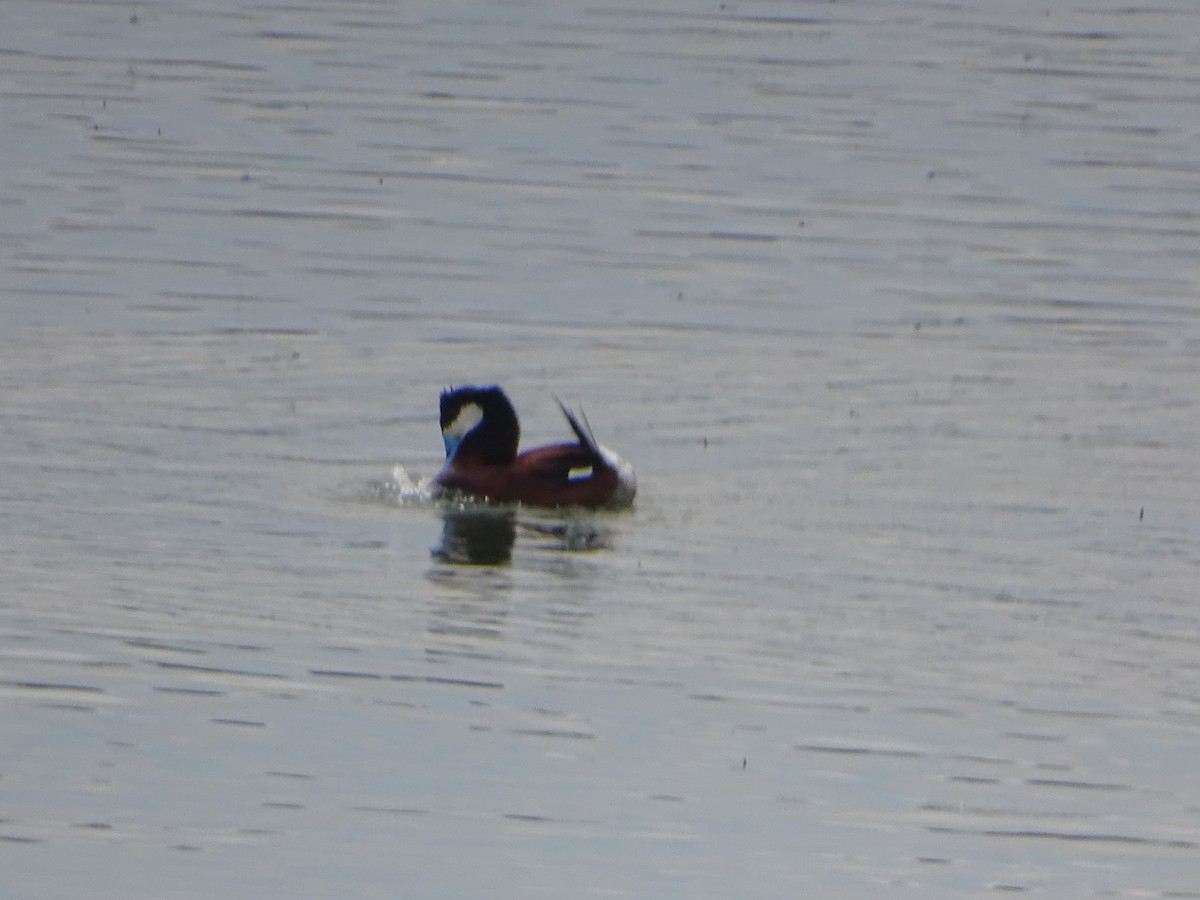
[603,459]
[583,431]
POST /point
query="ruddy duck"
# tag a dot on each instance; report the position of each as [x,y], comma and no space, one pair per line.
[480,430]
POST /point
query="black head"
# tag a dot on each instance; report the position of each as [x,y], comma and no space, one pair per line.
[479,422]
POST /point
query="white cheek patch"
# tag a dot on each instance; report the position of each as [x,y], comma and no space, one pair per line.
[579,473]
[468,417]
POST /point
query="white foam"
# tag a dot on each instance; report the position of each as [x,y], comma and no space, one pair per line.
[403,489]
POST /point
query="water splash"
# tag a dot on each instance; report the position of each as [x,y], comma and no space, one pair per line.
[400,489]
[477,532]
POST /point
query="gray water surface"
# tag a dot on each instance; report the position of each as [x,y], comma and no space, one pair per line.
[893,306]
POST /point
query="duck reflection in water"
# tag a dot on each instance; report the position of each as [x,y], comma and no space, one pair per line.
[478,536]
[481,535]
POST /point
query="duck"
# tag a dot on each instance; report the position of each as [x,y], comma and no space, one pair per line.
[481,434]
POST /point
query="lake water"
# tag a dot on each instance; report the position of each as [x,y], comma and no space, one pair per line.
[892,305]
